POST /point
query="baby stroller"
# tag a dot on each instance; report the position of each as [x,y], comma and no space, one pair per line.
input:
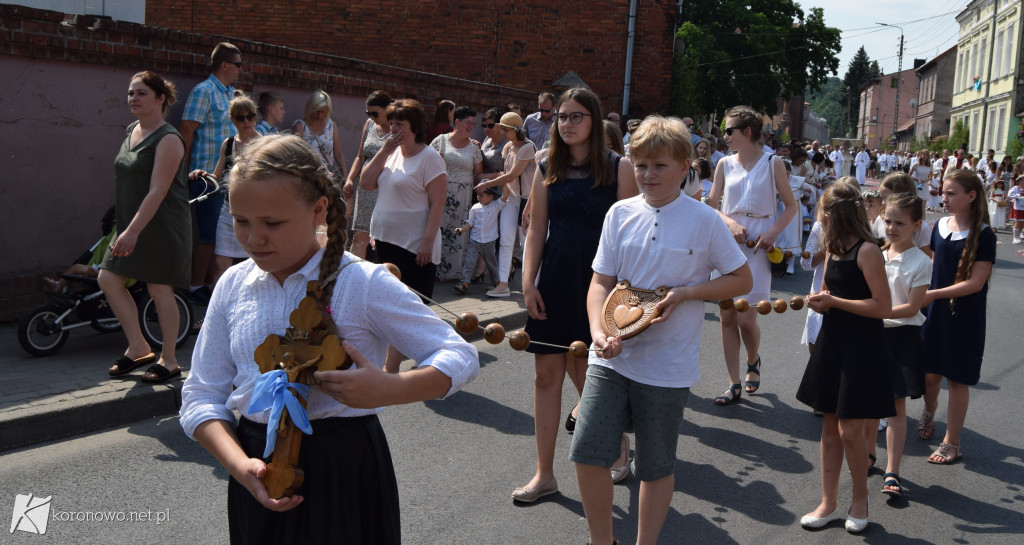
[80,302]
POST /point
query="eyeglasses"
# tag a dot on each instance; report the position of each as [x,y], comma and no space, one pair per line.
[468,123]
[728,130]
[241,118]
[488,125]
[545,111]
[372,114]
[575,118]
[236,63]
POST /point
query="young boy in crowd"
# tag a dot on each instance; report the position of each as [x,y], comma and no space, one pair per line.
[658,238]
[483,224]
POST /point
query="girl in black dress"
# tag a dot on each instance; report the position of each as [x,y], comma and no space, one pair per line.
[954,334]
[847,375]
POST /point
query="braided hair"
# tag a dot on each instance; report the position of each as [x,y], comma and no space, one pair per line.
[292,157]
[969,181]
[843,203]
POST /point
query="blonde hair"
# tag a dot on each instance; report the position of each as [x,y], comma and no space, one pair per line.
[319,99]
[292,157]
[657,134]
[241,104]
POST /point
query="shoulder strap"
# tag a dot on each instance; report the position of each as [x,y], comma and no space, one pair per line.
[229,146]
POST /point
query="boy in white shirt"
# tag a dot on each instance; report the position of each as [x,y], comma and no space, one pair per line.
[483,224]
[658,238]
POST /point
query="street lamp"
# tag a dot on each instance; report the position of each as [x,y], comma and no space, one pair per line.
[899,80]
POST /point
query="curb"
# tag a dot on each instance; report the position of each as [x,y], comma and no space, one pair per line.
[37,424]
[69,414]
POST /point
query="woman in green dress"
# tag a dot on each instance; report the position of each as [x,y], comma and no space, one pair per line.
[154,234]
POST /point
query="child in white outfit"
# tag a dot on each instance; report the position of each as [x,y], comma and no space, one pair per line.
[483,224]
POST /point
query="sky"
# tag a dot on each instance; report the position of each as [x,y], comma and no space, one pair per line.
[923,39]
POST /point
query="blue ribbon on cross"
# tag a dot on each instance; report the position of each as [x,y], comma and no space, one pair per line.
[271,392]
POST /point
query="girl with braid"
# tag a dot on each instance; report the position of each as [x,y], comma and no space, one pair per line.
[964,249]
[279,193]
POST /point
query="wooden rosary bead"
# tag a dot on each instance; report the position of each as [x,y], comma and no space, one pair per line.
[742,305]
[519,339]
[796,302]
[467,322]
[726,304]
[578,349]
[750,243]
[764,307]
[779,306]
[393,269]
[494,333]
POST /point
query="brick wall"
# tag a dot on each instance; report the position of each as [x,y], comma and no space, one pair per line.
[63,117]
[522,44]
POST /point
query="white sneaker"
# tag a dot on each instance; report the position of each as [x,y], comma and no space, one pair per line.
[1016,241]
[504,292]
[882,424]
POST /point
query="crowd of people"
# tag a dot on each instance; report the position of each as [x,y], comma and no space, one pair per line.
[896,305]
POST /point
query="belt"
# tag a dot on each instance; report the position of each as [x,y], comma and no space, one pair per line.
[748,215]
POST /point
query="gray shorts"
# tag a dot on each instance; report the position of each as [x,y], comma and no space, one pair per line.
[608,403]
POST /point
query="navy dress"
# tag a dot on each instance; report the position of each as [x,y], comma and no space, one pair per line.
[954,334]
[576,212]
[848,372]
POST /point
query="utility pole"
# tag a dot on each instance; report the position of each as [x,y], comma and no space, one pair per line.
[899,80]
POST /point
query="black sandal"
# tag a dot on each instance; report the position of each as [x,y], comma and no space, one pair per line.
[162,374]
[732,394]
[892,479]
[125,365]
[754,368]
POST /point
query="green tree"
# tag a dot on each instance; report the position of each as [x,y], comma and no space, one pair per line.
[861,71]
[961,135]
[749,52]
[827,104]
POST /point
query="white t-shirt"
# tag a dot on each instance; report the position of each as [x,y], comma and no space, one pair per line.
[678,244]
[400,215]
[521,187]
[906,271]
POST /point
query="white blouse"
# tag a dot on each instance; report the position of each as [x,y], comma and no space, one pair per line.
[371,307]
[750,192]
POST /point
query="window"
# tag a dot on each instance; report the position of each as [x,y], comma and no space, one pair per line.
[981,61]
[992,140]
[974,64]
[997,66]
[961,72]
[1008,54]
[1000,138]
[974,136]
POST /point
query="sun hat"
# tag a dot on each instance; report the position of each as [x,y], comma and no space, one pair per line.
[511,120]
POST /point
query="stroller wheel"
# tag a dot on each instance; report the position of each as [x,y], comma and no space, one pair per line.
[150,322]
[39,333]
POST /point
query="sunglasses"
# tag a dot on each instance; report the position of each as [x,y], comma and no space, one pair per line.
[236,63]
[241,118]
[728,130]
[545,111]
[488,125]
[372,114]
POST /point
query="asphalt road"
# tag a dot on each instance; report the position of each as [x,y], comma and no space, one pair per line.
[745,473]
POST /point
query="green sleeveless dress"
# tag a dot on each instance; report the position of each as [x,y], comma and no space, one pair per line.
[163,253]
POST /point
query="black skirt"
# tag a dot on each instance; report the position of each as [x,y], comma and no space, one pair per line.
[906,360]
[350,494]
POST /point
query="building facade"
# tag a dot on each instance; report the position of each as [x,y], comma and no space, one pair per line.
[986,90]
[935,95]
[877,119]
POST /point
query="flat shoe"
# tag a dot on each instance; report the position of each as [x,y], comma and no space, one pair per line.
[126,365]
[161,372]
[808,521]
[732,394]
[530,495]
[855,525]
[621,472]
[506,292]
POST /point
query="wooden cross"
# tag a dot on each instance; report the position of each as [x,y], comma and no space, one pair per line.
[306,346]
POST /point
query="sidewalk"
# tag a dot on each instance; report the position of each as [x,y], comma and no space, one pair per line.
[70,392]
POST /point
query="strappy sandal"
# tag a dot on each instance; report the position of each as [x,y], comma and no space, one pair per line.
[755,368]
[926,425]
[892,480]
[947,454]
[732,394]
